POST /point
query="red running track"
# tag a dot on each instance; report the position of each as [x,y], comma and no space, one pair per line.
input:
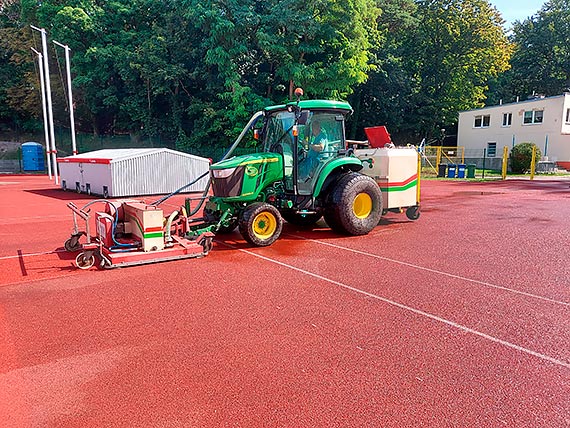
[458,319]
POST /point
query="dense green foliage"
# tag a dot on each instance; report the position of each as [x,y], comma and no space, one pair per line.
[193,71]
[541,59]
[521,157]
[437,60]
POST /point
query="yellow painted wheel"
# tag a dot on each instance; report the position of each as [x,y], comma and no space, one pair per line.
[264,225]
[362,205]
[354,205]
[260,224]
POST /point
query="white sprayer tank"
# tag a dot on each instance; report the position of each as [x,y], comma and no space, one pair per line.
[396,172]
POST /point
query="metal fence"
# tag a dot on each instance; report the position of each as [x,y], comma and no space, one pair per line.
[10,166]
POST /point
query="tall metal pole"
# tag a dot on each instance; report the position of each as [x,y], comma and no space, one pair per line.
[49,102]
[69,96]
[43,90]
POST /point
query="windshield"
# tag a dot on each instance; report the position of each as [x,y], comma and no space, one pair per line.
[319,140]
[279,131]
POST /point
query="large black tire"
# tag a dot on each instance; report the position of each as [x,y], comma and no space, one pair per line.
[354,205]
[213,217]
[301,220]
[260,224]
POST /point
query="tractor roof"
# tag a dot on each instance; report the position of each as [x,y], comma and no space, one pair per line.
[313,105]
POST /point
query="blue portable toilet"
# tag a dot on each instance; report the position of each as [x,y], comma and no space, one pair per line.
[33,157]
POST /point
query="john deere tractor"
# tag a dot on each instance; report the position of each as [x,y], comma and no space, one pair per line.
[304,172]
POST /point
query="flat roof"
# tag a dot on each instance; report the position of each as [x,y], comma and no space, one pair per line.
[106,156]
[533,100]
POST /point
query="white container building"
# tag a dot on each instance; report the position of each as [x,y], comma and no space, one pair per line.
[132,172]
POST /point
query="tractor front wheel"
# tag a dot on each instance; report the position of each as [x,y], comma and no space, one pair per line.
[260,224]
[354,205]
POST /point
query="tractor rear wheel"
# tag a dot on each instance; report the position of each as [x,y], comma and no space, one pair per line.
[301,220]
[354,205]
[260,224]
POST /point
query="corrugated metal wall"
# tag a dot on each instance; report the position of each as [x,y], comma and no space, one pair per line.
[157,173]
[70,173]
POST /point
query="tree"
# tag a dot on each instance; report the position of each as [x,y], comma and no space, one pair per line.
[255,53]
[18,98]
[439,63]
[541,60]
[385,98]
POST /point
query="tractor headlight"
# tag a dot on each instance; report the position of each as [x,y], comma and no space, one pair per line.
[223,173]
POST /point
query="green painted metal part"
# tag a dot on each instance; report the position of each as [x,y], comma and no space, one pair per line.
[254,158]
[352,163]
[214,204]
[312,105]
[260,171]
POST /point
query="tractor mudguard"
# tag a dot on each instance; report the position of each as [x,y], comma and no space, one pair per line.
[347,163]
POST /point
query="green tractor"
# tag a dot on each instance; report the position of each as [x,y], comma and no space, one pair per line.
[305,172]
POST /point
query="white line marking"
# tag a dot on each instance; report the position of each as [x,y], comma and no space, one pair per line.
[450,275]
[413,310]
[32,254]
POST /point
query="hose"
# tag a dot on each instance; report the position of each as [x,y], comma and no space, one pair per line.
[164,198]
[247,127]
[119,245]
[167,236]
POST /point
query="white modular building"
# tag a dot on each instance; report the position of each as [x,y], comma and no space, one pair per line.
[132,172]
[544,121]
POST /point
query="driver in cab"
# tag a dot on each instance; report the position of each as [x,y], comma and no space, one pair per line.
[316,145]
[318,139]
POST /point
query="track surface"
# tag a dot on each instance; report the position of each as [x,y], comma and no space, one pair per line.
[458,319]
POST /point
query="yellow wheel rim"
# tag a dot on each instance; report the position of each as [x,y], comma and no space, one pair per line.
[264,225]
[362,205]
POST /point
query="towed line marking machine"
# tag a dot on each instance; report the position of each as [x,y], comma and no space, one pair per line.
[305,170]
[130,233]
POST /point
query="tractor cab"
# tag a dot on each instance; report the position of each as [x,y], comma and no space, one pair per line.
[303,173]
[308,135]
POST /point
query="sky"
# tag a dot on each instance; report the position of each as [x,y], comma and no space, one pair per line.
[517,10]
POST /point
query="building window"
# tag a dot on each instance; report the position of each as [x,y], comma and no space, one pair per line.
[507,119]
[533,117]
[568,115]
[491,150]
[482,121]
